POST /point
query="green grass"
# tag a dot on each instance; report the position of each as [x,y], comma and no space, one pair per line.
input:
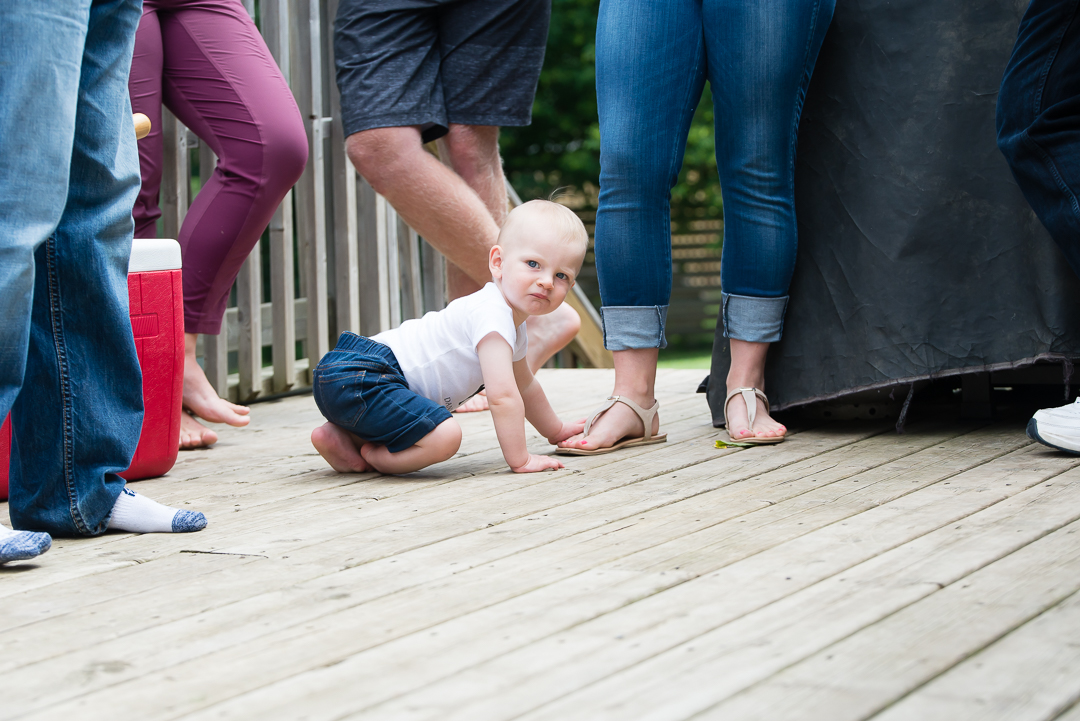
[685,358]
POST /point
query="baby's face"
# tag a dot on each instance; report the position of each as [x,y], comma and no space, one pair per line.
[536,273]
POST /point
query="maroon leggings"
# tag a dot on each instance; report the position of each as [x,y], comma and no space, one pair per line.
[207,62]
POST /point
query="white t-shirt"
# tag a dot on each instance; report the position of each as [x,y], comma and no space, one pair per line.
[438,352]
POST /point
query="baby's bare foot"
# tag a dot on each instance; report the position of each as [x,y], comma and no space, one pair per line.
[194,434]
[337,448]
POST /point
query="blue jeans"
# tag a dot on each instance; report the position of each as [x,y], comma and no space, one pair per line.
[652,60]
[69,174]
[1038,118]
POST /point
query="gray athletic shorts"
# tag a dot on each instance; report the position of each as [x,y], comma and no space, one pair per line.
[435,62]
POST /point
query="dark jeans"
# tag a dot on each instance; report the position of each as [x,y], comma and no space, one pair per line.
[1038,118]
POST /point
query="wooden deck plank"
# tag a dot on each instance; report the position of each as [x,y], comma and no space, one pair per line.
[461,589]
[285,457]
[1032,674]
[958,612]
[471,592]
[570,660]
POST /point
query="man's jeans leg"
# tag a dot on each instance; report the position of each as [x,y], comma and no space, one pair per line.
[79,411]
[1038,118]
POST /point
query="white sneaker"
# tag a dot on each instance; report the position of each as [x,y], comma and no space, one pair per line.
[1057,427]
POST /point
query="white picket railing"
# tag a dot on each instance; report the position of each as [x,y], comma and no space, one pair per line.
[340,258]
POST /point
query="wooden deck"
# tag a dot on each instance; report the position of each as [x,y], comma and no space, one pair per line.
[848,573]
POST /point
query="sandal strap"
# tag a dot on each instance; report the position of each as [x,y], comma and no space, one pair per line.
[645,414]
[749,396]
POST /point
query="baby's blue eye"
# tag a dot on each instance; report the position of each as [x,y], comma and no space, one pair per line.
[562,276]
[533,264]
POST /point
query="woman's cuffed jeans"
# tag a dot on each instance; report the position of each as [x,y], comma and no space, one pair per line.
[652,61]
[69,174]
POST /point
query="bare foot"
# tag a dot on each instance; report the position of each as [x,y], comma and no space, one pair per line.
[194,434]
[764,426]
[200,397]
[549,334]
[337,448]
[612,426]
[479,402]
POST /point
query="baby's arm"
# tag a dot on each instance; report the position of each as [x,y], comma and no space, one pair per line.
[507,407]
[538,410]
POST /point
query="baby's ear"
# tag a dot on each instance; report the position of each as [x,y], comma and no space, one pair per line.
[495,260]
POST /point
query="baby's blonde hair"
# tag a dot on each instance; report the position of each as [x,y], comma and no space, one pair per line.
[565,222]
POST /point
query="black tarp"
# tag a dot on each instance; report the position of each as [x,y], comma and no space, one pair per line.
[918,256]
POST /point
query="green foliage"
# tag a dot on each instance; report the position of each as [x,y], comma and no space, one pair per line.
[562,146]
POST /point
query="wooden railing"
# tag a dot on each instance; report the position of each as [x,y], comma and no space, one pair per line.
[336,255]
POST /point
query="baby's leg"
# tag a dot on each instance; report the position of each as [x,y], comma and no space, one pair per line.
[439,445]
[339,448]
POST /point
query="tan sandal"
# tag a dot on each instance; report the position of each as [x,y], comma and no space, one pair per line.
[646,417]
[750,396]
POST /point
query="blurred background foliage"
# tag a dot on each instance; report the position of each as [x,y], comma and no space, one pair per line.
[562,146]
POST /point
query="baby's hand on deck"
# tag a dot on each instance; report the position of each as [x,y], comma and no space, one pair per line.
[538,463]
[568,430]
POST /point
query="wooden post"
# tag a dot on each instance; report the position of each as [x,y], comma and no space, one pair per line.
[433,272]
[276,23]
[311,190]
[374,306]
[176,174]
[346,228]
[412,303]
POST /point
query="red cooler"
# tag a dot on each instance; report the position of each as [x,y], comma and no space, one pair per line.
[156,295]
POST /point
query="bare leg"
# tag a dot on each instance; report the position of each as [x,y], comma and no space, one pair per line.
[339,448]
[432,198]
[748,371]
[439,445]
[201,399]
[635,378]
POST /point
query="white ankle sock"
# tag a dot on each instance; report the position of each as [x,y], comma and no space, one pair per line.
[138,514]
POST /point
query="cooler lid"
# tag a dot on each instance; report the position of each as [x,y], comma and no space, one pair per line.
[149,254]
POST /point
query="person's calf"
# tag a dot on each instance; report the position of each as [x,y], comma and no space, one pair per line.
[134,513]
[438,446]
[22,545]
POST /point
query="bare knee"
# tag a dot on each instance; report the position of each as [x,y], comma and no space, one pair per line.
[378,153]
[473,149]
[444,441]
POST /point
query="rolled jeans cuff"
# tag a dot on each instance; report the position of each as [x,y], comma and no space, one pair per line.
[756,320]
[628,327]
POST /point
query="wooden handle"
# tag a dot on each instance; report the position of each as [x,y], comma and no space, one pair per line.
[142,125]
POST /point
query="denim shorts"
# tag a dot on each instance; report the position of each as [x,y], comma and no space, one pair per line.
[432,63]
[360,387]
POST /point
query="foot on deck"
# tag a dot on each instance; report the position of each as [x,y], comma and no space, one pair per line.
[22,545]
[138,514]
[336,446]
[194,434]
[201,399]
